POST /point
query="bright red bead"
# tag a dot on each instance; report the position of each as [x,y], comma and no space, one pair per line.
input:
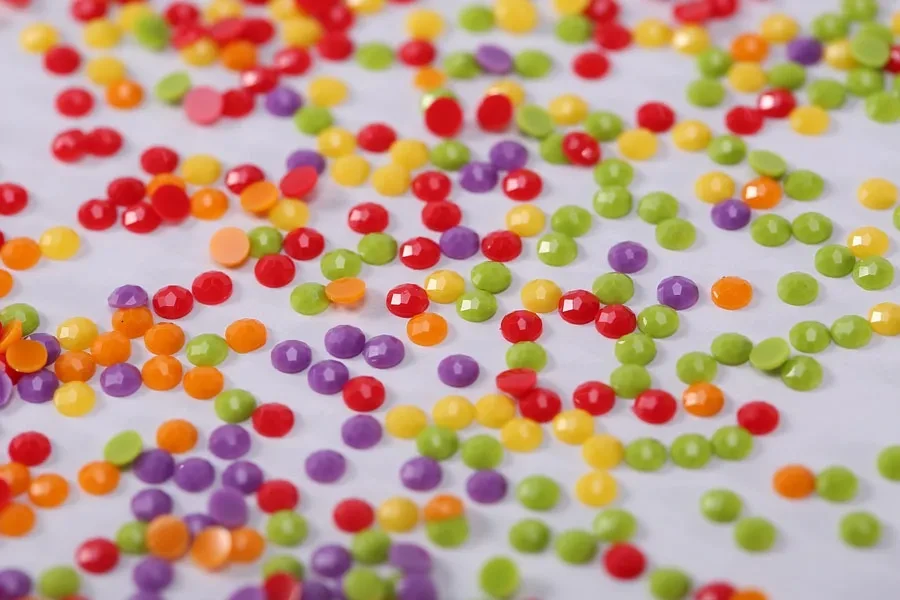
[655,116]
[624,561]
[103,142]
[277,494]
[62,60]
[97,555]
[431,186]
[581,149]
[444,117]
[516,382]
[407,300]
[259,80]
[292,61]
[590,65]
[758,417]
[125,191]
[540,404]
[274,270]
[69,146]
[743,120]
[225,31]
[615,320]
[376,137]
[212,287]
[258,30]
[723,8]
[420,253]
[521,326]
[716,590]
[501,246]
[97,215]
[602,10]
[335,45]
[522,185]
[140,218]
[337,17]
[272,419]
[776,104]
[13,198]
[578,307]
[416,53]
[159,159]
[31,448]
[695,11]
[353,515]
[5,493]
[239,177]
[171,203]
[494,113]
[173,302]
[654,406]
[185,34]
[893,63]
[282,586]
[594,397]
[368,217]
[303,243]
[363,393]
[179,13]
[237,103]
[612,36]
[87,10]
[441,216]
[299,182]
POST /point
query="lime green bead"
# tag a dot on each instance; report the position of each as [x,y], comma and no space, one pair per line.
[551,149]
[449,155]
[667,583]
[645,454]
[573,221]
[492,277]
[313,120]
[675,234]
[613,288]
[809,337]
[731,349]
[754,534]
[837,484]
[264,240]
[873,273]
[727,149]
[612,202]
[131,538]
[613,172]
[574,29]
[883,107]
[829,94]
[714,62]
[58,582]
[556,249]
[538,492]
[152,32]
[172,88]
[628,381]
[370,547]
[286,528]
[691,451]
[614,525]
[834,261]
[732,442]
[789,76]
[362,583]
[476,18]
[499,577]
[798,289]
[532,64]
[770,354]
[635,349]
[206,350]
[534,121]
[283,563]
[377,249]
[767,163]
[770,230]
[449,533]
[437,442]
[851,332]
[803,185]
[862,81]
[830,27]
[24,314]
[812,228]
[802,373]
[575,547]
[860,529]
[309,299]
[526,355]
[123,448]
[721,506]
[476,306]
[656,207]
[340,263]
[234,406]
[461,65]
[481,452]
[529,536]
[705,93]
[696,367]
[374,56]
[658,321]
[603,126]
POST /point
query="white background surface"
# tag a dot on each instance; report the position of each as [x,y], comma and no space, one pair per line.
[846,421]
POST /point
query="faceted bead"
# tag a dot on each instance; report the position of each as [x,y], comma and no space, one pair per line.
[594,397]
[677,292]
[69,146]
[431,186]
[212,288]
[420,253]
[368,217]
[173,302]
[241,176]
[272,420]
[776,104]
[103,142]
[275,270]
[376,137]
[521,326]
[578,307]
[501,246]
[522,185]
[494,113]
[540,405]
[427,329]
[654,406]
[13,199]
[581,149]
[655,116]
[743,120]
[407,300]
[97,215]
[141,218]
[441,216]
[74,102]
[159,159]
[758,417]
[615,320]
[516,382]
[303,244]
[363,394]
[627,257]
[126,191]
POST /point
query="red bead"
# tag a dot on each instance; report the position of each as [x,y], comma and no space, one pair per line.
[275,270]
[140,218]
[181,13]
[743,120]
[225,31]
[776,104]
[31,448]
[259,80]
[431,186]
[125,191]
[13,375]
[578,307]
[315,7]
[695,11]
[612,36]
[602,10]
[292,61]
[416,53]
[723,8]
[420,253]
[337,17]
[212,287]
[186,34]
[97,555]
[893,63]
[13,198]
[303,243]
[97,215]
[521,326]
[5,493]
[173,302]
[376,137]
[494,113]
[299,182]
[501,246]
[444,117]
[441,216]
[272,420]
[717,590]
[654,406]
[590,65]
[522,185]
[237,103]
[239,177]
[103,142]
[87,10]
[335,45]
[758,417]
[69,146]
[516,382]
[353,515]
[277,494]
[594,397]
[363,393]
[407,300]
[282,586]
[62,60]
[655,116]
[624,561]
[368,217]
[171,203]
[581,149]
[159,159]
[540,404]
[615,320]
[258,30]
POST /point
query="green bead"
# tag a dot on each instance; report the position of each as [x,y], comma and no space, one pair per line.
[812,228]
[490,276]
[877,30]
[803,185]
[888,463]
[837,484]
[449,533]
[58,582]
[537,492]
[714,62]
[788,76]
[870,50]
[727,149]
[556,249]
[612,202]
[635,349]
[532,64]
[668,583]
[798,289]
[614,525]
[645,454]
[529,536]
[152,32]
[767,163]
[206,350]
[526,355]
[377,249]
[613,171]
[234,406]
[309,299]
[437,442]
[731,349]
[533,121]
[123,448]
[862,81]
[802,373]
[705,93]
[732,442]
[897,212]
[770,230]
[449,155]
[603,126]
[24,314]
[481,452]
[860,529]
[374,56]
[499,577]
[859,10]
[131,538]
[629,380]
[851,331]
[461,65]
[476,306]
[809,337]
[830,27]
[551,149]
[696,367]
[264,240]
[834,260]
[770,354]
[362,583]
[873,273]
[828,94]
[573,221]
[574,29]
[754,534]
[883,107]
[613,288]
[340,263]
[283,563]
[370,547]
[721,506]
[656,207]
[675,234]
[658,321]
[429,97]
[172,88]
[313,120]
[476,18]
[691,451]
[575,546]
[286,528]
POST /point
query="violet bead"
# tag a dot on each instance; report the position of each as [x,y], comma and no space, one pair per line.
[120,380]
[250,592]
[325,466]
[14,583]
[197,522]
[316,590]
[291,356]
[331,560]
[383,352]
[478,177]
[486,487]
[244,476]
[153,574]
[493,59]
[627,257]
[677,292]
[459,243]
[344,341]
[50,343]
[6,389]
[229,441]
[410,558]
[283,102]
[150,503]
[153,466]
[806,51]
[35,388]
[416,587]
[194,474]
[227,506]
[141,595]
[327,377]
[361,432]
[458,370]
[730,215]
[128,296]
[508,155]
[421,474]
[306,158]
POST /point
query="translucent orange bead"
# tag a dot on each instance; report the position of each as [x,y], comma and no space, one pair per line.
[762,193]
[16,476]
[164,179]
[246,335]
[16,520]
[111,348]
[12,333]
[48,490]
[247,545]
[211,548]
[176,436]
[731,293]
[749,594]
[133,322]
[259,198]
[164,338]
[161,373]
[443,507]
[76,365]
[209,204]
[6,282]
[20,254]
[239,55]
[426,329]
[346,291]
[703,399]
[794,482]
[168,537]
[98,478]
[203,383]
[26,356]
[749,47]
[124,94]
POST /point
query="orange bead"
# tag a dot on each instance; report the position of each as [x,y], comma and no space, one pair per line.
[246,335]
[211,548]
[111,348]
[168,537]
[124,94]
[164,338]
[346,291]
[794,482]
[229,247]
[731,293]
[6,282]
[12,333]
[443,507]
[259,197]
[26,356]
[98,478]
[164,179]
[176,436]
[16,520]
[48,490]
[247,545]
[426,329]
[239,55]
[209,204]
[703,399]
[16,476]
[74,366]
[762,193]
[203,383]
[20,254]
[749,594]
[161,373]
[749,47]
[133,322]
[428,78]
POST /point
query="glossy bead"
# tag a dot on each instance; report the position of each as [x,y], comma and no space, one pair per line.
[521,326]
[407,300]
[615,320]
[578,307]
[522,185]
[594,397]
[419,253]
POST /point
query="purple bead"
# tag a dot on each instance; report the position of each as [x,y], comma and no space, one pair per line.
[421,474]
[458,370]
[316,590]
[197,522]
[154,466]
[6,389]
[677,292]
[330,560]
[478,177]
[459,243]
[194,474]
[227,506]
[120,380]
[730,215]
[145,596]
[306,158]
[291,356]
[486,487]
[229,441]
[128,296]
[627,257]
[150,503]
[508,155]
[14,583]
[243,476]
[325,466]
[250,592]
[804,50]
[50,343]
[383,352]
[344,341]
[327,376]
[409,558]
[494,59]
[35,388]
[153,574]
[416,587]
[283,102]
[361,432]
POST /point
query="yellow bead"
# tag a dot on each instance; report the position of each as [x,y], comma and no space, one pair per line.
[597,488]
[201,169]
[568,109]
[422,24]
[690,39]
[405,421]
[895,23]
[510,89]
[868,241]
[326,91]
[809,120]
[885,318]
[691,136]
[526,220]
[779,28]
[652,33]
[602,451]
[444,286]
[391,180]
[130,13]
[289,214]
[637,144]
[541,296]
[105,70]
[284,10]
[202,53]
[521,435]
[37,38]
[77,333]
[877,193]
[335,142]
[397,515]
[301,31]
[74,399]
[59,243]
[218,10]
[411,154]
[495,410]
[454,412]
[573,426]
[570,7]
[429,78]
[365,7]
[838,55]
[350,171]
[101,34]
[516,16]
[747,77]
[714,187]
